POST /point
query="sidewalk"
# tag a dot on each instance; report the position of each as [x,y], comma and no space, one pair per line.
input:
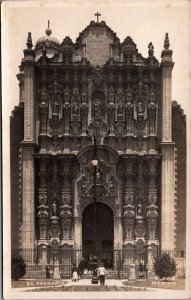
[108,282]
[87,283]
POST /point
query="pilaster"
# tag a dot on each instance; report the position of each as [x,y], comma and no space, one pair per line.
[29,94]
[28,221]
[167,149]
[168,197]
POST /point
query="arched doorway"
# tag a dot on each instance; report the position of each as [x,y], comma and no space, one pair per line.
[105,233]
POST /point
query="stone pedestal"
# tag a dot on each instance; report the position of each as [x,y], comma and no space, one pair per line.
[132,276]
[56,274]
[44,257]
[150,274]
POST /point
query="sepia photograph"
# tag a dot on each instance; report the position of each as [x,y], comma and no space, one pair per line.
[96,169]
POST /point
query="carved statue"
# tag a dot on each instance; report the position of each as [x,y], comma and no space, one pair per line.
[43,113]
[55,108]
[140,108]
[152,114]
[97,107]
[98,176]
[54,209]
[120,107]
[139,208]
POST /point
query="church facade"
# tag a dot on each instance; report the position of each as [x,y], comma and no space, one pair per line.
[97,94]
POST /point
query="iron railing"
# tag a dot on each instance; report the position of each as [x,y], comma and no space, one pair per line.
[117,262]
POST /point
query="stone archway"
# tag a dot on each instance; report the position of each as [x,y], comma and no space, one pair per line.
[105,227]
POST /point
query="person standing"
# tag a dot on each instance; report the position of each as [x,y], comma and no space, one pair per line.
[101,273]
[75,273]
[81,268]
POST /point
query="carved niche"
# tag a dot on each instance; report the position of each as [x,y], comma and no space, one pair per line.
[55,95]
[140,106]
[43,105]
[152,111]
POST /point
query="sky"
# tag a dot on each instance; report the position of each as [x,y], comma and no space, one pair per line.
[145,21]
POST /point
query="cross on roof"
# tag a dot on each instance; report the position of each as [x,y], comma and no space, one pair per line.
[97,15]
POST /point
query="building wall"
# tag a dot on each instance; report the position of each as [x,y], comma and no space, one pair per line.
[179,137]
[16,137]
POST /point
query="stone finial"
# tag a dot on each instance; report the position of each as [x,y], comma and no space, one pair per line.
[48,31]
[166,41]
[151,49]
[29,41]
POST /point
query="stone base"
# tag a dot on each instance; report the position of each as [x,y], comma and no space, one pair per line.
[35,275]
[150,275]
[132,276]
[56,274]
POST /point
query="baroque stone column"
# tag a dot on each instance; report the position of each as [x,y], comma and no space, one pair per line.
[129,205]
[43,214]
[152,208]
[66,207]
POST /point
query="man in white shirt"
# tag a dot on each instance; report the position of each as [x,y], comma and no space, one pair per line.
[101,273]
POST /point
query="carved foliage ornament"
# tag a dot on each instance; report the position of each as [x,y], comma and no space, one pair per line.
[98,77]
[140,246]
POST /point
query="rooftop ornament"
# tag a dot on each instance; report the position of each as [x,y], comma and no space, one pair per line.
[97,15]
[48,31]
[166,41]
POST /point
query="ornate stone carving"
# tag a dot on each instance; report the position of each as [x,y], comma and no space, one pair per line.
[67,96]
[120,127]
[43,225]
[128,224]
[105,188]
[98,128]
[129,109]
[139,208]
[111,96]
[140,109]
[43,110]
[129,47]
[54,229]
[129,207]
[152,109]
[140,230]
[140,246]
[54,209]
[55,92]
[97,107]
[152,216]
[76,104]
[98,77]
[120,112]
[42,208]
[66,207]
[152,208]
[75,127]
